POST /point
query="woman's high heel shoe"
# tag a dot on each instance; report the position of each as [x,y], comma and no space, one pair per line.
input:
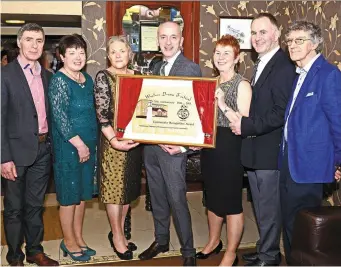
[131,246]
[81,257]
[203,256]
[88,251]
[235,262]
[127,255]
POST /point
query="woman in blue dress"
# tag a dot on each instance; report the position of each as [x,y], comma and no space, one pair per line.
[74,135]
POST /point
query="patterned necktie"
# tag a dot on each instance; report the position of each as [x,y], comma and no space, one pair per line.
[162,69]
[255,67]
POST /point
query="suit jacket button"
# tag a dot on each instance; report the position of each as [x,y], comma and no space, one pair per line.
[35,134]
[34,116]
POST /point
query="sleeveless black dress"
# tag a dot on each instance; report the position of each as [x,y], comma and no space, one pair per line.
[221,167]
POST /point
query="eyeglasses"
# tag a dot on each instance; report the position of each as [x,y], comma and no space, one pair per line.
[297,41]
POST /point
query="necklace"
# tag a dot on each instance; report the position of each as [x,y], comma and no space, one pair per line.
[78,80]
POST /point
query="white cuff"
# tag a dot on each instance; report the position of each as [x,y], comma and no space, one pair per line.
[183,150]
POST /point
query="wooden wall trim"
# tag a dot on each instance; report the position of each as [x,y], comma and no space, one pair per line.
[196,31]
[112,18]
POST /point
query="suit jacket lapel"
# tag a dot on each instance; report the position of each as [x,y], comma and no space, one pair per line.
[266,71]
[177,64]
[291,97]
[157,67]
[310,76]
[23,81]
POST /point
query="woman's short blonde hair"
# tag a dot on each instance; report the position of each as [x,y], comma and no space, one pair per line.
[122,39]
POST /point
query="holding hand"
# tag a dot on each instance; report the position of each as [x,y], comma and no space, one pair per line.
[338,174]
[220,96]
[9,171]
[235,124]
[195,148]
[123,145]
[171,149]
[83,153]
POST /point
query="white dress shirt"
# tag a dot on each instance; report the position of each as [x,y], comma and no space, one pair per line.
[170,63]
[303,74]
[168,67]
[263,60]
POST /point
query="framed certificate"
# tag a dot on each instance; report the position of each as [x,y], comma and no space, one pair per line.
[166,110]
[148,38]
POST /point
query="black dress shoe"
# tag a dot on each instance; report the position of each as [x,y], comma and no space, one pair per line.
[235,262]
[259,262]
[127,255]
[153,250]
[203,256]
[190,261]
[131,246]
[17,263]
[250,257]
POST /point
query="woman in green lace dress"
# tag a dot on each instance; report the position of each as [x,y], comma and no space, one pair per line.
[74,135]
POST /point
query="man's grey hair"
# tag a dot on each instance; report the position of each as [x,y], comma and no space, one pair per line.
[313,30]
[30,27]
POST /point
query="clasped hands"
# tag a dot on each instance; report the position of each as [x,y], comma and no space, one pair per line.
[235,118]
[338,174]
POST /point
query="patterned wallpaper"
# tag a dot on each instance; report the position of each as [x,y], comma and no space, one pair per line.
[324,13]
[94,33]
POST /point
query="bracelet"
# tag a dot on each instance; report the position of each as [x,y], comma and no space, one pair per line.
[111,138]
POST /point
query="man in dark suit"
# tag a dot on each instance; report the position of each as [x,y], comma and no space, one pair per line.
[271,82]
[25,150]
[166,164]
[311,146]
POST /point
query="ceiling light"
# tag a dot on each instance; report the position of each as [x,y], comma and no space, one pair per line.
[14,21]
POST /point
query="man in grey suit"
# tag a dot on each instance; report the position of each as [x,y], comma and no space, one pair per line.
[166,164]
[25,150]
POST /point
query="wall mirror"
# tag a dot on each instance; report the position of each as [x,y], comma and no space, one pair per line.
[140,24]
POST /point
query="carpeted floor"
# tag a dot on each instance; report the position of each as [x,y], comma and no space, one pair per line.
[172,258]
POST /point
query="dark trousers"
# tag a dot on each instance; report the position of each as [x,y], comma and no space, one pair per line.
[167,187]
[295,197]
[23,206]
[264,185]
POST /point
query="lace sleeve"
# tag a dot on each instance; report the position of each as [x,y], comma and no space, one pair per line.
[102,99]
[59,98]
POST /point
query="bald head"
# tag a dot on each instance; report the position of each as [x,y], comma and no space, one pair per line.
[170,24]
[170,40]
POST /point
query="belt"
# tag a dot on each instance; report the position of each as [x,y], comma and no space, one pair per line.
[42,137]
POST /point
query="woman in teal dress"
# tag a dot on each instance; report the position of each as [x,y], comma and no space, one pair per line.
[74,135]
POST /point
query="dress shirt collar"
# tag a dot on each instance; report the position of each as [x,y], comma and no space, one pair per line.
[266,58]
[307,67]
[36,70]
[172,59]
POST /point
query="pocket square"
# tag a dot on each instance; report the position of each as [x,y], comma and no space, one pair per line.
[310,94]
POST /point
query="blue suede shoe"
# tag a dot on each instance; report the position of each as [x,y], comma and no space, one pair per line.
[81,257]
[88,251]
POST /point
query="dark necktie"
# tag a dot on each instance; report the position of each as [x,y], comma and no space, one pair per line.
[162,69]
[255,67]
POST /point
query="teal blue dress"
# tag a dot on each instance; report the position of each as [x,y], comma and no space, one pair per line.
[72,113]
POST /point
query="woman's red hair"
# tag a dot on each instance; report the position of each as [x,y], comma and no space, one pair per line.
[229,40]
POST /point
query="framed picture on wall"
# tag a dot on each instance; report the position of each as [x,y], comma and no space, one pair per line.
[148,37]
[239,27]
